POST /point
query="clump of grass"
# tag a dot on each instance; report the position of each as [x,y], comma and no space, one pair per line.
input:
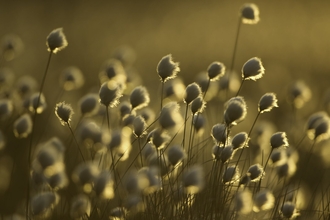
[150,163]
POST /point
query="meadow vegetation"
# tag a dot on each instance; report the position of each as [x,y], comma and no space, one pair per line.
[184,155]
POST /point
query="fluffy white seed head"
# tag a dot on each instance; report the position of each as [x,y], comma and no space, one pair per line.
[193,180]
[240,140]
[113,70]
[314,119]
[80,206]
[109,94]
[216,152]
[250,13]
[84,176]
[125,108]
[120,143]
[198,105]
[279,139]
[235,111]
[219,133]
[227,154]
[263,200]
[64,112]
[278,157]
[7,77]
[170,118]
[267,102]
[253,69]
[6,108]
[321,129]
[25,85]
[216,70]
[36,107]
[193,90]
[256,172]
[231,175]
[23,126]
[299,93]
[148,114]
[167,68]
[58,180]
[12,46]
[148,150]
[286,169]
[159,138]
[89,104]
[139,98]
[161,163]
[150,181]
[176,155]
[92,136]
[72,78]
[103,185]
[43,203]
[289,210]
[139,126]
[174,89]
[56,40]
[199,124]
[244,202]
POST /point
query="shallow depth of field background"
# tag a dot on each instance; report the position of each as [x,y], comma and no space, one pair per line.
[292,39]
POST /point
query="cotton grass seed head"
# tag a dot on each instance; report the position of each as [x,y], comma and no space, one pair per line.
[12,46]
[103,185]
[89,104]
[263,200]
[216,70]
[113,69]
[199,124]
[159,138]
[64,112]
[6,108]
[80,206]
[219,133]
[139,98]
[139,126]
[170,118]
[279,139]
[71,78]
[235,111]
[174,89]
[253,69]
[256,172]
[23,126]
[243,202]
[56,40]
[193,180]
[240,140]
[267,102]
[167,68]
[43,203]
[198,105]
[25,85]
[319,129]
[176,155]
[286,169]
[84,176]
[109,94]
[289,210]
[192,92]
[231,175]
[250,13]
[37,105]
[299,93]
